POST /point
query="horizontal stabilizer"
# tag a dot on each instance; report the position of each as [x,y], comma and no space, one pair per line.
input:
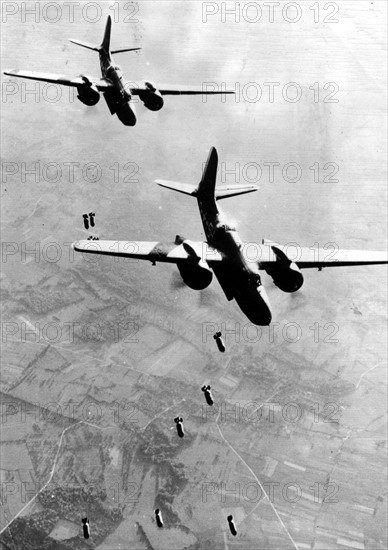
[125,50]
[220,193]
[185,188]
[85,45]
[234,190]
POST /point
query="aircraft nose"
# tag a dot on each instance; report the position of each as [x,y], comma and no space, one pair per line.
[126,115]
[255,305]
[265,314]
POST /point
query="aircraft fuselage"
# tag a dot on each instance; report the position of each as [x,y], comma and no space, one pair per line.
[121,97]
[238,279]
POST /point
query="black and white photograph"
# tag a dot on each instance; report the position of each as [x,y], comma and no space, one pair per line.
[194,275]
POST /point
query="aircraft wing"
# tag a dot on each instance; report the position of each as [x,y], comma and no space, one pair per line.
[100,83]
[166,89]
[152,251]
[328,256]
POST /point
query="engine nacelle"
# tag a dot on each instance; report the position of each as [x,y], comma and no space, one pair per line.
[196,275]
[88,93]
[286,274]
[151,97]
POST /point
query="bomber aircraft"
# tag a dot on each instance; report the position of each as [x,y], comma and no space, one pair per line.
[116,91]
[235,264]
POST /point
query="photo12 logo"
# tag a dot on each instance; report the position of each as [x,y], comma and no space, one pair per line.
[251,412]
[270,12]
[54,252]
[253,492]
[271,92]
[69,12]
[254,172]
[54,332]
[54,494]
[69,172]
[89,412]
[290,332]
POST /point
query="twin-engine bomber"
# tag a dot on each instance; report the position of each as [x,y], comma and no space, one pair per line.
[226,255]
[116,91]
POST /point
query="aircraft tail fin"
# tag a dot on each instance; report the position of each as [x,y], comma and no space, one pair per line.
[106,40]
[207,186]
[105,45]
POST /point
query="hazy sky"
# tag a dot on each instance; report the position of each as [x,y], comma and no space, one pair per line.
[322,135]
